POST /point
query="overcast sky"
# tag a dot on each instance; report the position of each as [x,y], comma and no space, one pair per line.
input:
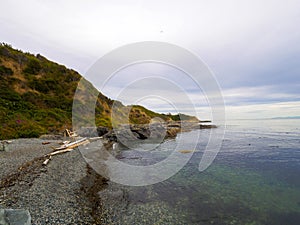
[252,47]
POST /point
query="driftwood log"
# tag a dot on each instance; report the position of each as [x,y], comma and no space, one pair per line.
[65,148]
[73,144]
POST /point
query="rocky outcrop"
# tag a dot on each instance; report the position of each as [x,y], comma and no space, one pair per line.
[207,126]
[129,133]
[155,131]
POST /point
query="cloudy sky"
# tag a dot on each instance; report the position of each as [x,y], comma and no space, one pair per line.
[252,47]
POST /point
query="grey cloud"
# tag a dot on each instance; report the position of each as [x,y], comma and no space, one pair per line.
[247,44]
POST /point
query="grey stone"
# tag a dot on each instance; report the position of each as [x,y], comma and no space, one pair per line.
[14,217]
[3,146]
[2,217]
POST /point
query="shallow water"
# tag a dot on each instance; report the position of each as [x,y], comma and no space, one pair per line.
[253,180]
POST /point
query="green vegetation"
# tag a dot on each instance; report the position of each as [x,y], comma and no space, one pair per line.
[35,94]
[166,117]
[36,97]
[4,71]
[33,67]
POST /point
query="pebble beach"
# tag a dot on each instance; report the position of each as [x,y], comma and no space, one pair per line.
[53,193]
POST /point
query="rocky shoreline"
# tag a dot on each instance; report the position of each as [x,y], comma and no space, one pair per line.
[52,194]
[66,190]
[144,131]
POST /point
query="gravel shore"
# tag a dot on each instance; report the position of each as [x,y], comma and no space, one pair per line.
[53,194]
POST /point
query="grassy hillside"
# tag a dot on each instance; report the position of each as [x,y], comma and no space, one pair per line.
[36,97]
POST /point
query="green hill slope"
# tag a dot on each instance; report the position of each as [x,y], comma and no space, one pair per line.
[36,97]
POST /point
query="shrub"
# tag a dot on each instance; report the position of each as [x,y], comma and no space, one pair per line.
[33,67]
[4,71]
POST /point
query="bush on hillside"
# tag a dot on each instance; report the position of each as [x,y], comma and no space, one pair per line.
[4,71]
[33,67]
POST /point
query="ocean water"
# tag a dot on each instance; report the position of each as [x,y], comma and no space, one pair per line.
[255,179]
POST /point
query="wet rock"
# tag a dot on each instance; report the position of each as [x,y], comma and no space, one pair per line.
[207,126]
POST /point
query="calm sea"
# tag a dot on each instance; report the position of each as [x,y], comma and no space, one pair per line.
[255,179]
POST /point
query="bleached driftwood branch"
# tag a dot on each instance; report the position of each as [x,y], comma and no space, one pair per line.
[65,148]
[47,161]
[73,144]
